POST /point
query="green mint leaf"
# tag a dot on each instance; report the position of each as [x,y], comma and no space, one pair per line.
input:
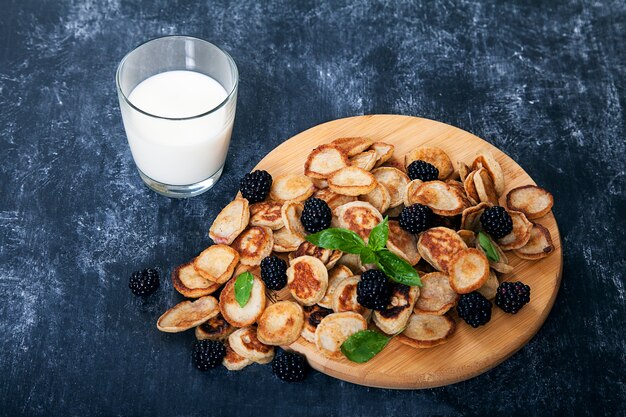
[397,268]
[243,288]
[379,234]
[337,239]
[364,345]
[368,256]
[490,251]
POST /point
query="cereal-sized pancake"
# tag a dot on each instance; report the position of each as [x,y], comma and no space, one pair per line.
[217,263]
[409,192]
[215,328]
[438,245]
[484,187]
[463,169]
[384,151]
[402,243]
[486,160]
[468,270]
[436,295]
[234,361]
[365,160]
[538,246]
[267,213]
[188,314]
[327,256]
[285,241]
[395,181]
[291,213]
[334,329]
[360,217]
[352,181]
[324,160]
[230,222]
[520,234]
[379,197]
[470,219]
[280,324]
[246,343]
[470,188]
[307,279]
[333,199]
[353,145]
[344,297]
[254,244]
[237,315]
[427,330]
[442,198]
[531,200]
[291,187]
[335,276]
[188,281]
[394,318]
[434,156]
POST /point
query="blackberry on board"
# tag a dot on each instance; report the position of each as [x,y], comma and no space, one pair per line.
[316,215]
[422,170]
[373,290]
[512,296]
[496,221]
[207,354]
[274,272]
[416,218]
[474,308]
[145,282]
[255,186]
[290,367]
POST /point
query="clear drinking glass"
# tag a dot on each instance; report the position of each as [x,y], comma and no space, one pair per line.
[178,156]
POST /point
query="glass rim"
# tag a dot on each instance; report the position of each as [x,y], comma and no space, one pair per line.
[230,94]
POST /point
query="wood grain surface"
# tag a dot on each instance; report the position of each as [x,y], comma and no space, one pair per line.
[470,352]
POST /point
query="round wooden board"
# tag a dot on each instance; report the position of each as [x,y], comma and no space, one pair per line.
[469,352]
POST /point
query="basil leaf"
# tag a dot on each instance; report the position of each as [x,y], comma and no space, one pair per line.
[379,234]
[337,239]
[364,345]
[243,288]
[368,256]
[397,268]
[490,251]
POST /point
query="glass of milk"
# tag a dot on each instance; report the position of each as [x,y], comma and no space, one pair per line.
[178,96]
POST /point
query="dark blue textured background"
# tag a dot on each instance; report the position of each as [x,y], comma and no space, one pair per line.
[544,81]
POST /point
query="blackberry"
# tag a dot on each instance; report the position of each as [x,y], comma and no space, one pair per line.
[512,296]
[145,282]
[416,218]
[207,354]
[274,272]
[290,367]
[474,308]
[316,215]
[496,221]
[422,170]
[255,186]
[373,290]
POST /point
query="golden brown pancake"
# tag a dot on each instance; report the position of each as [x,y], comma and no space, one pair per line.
[402,243]
[266,213]
[254,244]
[438,245]
[360,217]
[531,200]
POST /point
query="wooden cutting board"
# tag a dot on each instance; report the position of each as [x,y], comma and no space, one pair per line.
[470,352]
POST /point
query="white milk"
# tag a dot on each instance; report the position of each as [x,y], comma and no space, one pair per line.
[179,152]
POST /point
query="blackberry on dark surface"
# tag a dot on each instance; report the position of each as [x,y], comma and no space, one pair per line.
[416,218]
[316,215]
[496,221]
[145,282]
[422,170]
[373,290]
[207,354]
[290,367]
[255,186]
[274,272]
[474,308]
[512,296]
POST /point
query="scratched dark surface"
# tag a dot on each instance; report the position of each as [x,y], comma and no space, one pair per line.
[544,81]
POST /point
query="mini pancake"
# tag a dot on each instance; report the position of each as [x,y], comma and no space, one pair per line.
[538,246]
[267,213]
[291,187]
[351,181]
[246,343]
[427,330]
[190,283]
[384,151]
[365,160]
[409,192]
[319,184]
[442,198]
[344,297]
[285,241]
[394,162]
[352,146]
[468,270]
[242,316]
[335,276]
[230,222]
[402,243]
[395,181]
[324,160]
[531,200]
[520,234]
[291,212]
[187,314]
[234,361]
[470,188]
[438,245]
[327,256]
[502,265]
[484,187]
[360,217]
[436,295]
[460,190]
[470,219]
[216,328]
[333,200]
[468,236]
[334,329]
[486,160]
[280,324]
[463,169]
[489,288]
[394,318]
[312,317]
[217,263]
[379,198]
[307,279]
[434,156]
[254,244]
[334,258]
